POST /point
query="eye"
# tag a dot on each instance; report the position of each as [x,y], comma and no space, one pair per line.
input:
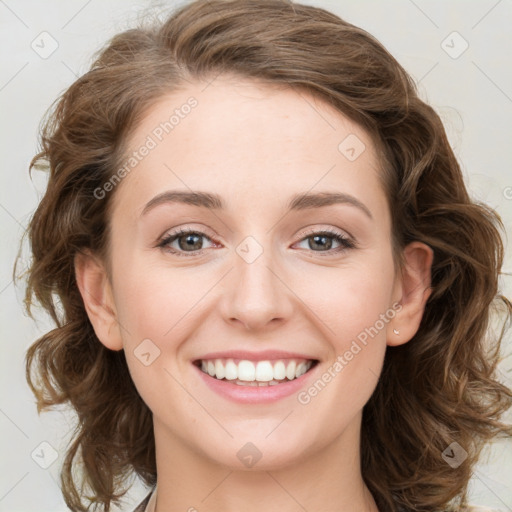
[324,241]
[190,241]
[187,241]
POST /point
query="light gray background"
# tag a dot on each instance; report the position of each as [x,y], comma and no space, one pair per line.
[472,92]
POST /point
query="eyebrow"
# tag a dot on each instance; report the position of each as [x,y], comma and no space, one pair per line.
[211,201]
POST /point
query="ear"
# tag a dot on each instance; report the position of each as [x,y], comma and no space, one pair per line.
[96,291]
[412,290]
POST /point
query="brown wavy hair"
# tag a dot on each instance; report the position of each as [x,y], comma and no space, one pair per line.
[440,387]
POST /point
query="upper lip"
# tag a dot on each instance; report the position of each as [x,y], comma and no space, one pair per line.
[255,356]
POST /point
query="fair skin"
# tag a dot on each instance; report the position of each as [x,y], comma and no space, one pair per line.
[255,146]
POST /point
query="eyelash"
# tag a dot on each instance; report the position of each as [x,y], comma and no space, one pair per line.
[344,241]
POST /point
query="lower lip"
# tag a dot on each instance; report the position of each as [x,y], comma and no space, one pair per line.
[254,394]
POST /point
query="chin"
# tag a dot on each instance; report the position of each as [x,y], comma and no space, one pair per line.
[258,454]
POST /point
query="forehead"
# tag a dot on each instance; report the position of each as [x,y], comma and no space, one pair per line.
[239,137]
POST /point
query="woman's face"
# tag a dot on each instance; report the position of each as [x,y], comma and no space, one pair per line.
[258,279]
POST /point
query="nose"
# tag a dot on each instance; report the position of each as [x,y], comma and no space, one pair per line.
[256,294]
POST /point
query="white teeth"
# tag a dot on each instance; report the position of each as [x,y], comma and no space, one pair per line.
[220,371]
[262,373]
[231,370]
[255,383]
[252,383]
[290,370]
[246,371]
[279,370]
[301,369]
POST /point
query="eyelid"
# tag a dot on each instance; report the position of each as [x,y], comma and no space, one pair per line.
[330,230]
[186,229]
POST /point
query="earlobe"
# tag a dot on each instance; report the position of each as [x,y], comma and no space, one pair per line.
[413,291]
[94,286]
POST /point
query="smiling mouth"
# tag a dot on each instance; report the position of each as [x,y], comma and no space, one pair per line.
[256,373]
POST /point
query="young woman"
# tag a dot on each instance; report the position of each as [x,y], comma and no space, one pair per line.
[271,288]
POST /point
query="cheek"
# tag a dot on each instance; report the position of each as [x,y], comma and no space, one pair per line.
[156,315]
[350,300]
[364,306]
[158,309]
[354,308]
[157,302]
[356,322]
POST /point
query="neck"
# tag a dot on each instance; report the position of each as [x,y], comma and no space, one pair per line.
[327,479]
